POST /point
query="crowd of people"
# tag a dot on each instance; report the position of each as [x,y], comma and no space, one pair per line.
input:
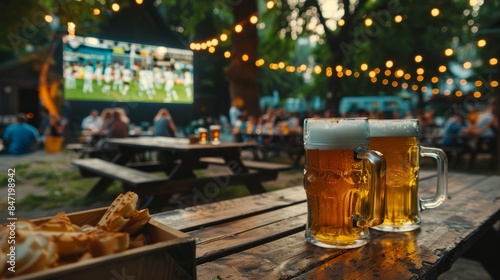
[22,138]
[114,123]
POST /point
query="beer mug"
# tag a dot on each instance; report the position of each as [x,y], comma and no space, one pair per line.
[398,141]
[203,132]
[215,134]
[344,182]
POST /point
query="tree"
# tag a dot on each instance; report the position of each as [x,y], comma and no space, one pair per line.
[36,27]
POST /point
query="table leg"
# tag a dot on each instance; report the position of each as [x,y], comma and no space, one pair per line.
[100,187]
[234,163]
[103,184]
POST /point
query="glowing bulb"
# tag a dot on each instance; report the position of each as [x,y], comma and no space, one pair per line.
[115,7]
[467,65]
[493,61]
[97,11]
[227,54]
[138,1]
[368,22]
[398,19]
[238,28]
[341,22]
[254,19]
[418,58]
[481,43]
[448,52]
[223,37]
[270,4]
[389,63]
[442,68]
[244,57]
[435,12]
[364,66]
[48,18]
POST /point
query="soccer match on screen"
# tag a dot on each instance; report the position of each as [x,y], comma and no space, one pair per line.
[106,70]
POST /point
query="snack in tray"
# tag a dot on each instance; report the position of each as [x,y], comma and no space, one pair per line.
[58,241]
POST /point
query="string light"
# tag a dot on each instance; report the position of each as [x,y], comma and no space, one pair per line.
[115,7]
[48,18]
[270,4]
[139,2]
[97,11]
[481,43]
[341,71]
[435,12]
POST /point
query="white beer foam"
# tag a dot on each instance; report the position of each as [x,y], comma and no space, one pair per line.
[336,133]
[394,128]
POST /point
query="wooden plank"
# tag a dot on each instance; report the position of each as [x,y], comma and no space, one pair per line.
[446,233]
[224,239]
[219,212]
[122,173]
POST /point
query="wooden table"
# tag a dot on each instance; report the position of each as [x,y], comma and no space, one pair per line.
[289,143]
[262,236]
[179,161]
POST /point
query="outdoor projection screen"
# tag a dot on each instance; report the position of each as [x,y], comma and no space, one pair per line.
[105,70]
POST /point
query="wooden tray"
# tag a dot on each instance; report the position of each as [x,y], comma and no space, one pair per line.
[170,254]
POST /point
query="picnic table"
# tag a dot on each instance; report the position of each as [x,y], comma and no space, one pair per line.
[262,236]
[269,143]
[179,160]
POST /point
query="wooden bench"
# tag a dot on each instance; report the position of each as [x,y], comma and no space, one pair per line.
[268,168]
[86,151]
[148,184]
[130,177]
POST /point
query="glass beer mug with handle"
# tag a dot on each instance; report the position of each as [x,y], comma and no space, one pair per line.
[343,181]
[398,141]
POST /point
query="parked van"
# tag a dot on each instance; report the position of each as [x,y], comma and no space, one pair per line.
[387,105]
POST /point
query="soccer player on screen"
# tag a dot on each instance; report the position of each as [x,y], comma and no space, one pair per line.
[70,81]
[169,85]
[117,81]
[108,71]
[98,73]
[127,78]
[88,72]
[188,82]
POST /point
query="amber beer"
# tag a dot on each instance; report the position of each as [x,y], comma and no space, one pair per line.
[398,141]
[215,134]
[344,183]
[203,135]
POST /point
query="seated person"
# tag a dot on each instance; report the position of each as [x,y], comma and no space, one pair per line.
[56,126]
[163,124]
[452,129]
[21,138]
[118,129]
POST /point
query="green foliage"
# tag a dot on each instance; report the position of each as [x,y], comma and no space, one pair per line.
[24,23]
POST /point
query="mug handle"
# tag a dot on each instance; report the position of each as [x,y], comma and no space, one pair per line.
[442,179]
[376,192]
